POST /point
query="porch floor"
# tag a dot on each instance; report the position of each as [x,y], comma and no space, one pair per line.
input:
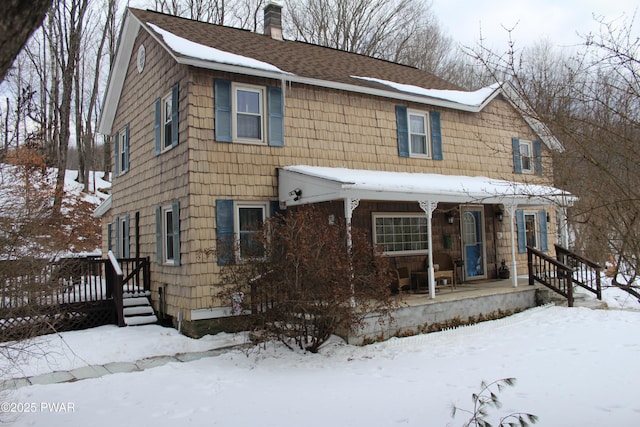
[474,289]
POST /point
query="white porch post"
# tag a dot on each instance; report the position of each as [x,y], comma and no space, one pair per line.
[511,209]
[428,206]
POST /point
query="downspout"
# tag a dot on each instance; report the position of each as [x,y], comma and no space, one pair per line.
[428,206]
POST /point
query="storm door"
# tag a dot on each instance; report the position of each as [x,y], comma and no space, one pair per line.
[473,242]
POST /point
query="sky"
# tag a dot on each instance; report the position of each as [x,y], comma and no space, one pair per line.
[558,20]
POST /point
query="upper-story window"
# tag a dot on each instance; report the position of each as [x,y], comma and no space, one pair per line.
[165,124]
[121,154]
[166,121]
[248,113]
[418,134]
[527,156]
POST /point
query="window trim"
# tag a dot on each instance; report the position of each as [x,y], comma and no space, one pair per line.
[236,223]
[167,209]
[167,98]
[376,215]
[427,134]
[536,226]
[529,145]
[261,90]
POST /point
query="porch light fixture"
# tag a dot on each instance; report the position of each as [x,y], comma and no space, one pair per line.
[296,194]
[499,215]
[450,217]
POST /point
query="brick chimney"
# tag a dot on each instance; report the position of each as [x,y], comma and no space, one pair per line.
[273,20]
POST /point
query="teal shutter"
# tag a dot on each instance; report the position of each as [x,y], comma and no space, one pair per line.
[125,238]
[522,235]
[224,231]
[117,223]
[537,157]
[174,114]
[175,208]
[222,106]
[156,126]
[274,206]
[276,116]
[517,164]
[403,131]
[125,168]
[116,151]
[542,219]
[159,257]
[436,135]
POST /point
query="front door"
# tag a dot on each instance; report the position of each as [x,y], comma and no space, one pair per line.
[473,246]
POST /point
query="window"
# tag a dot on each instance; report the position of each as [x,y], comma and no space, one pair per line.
[249,223]
[532,230]
[418,134]
[525,157]
[166,121]
[121,225]
[248,114]
[109,236]
[167,107]
[400,234]
[121,145]
[168,234]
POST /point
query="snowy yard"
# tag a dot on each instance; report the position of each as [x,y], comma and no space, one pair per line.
[574,366]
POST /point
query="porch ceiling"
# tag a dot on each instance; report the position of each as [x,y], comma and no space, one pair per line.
[320,184]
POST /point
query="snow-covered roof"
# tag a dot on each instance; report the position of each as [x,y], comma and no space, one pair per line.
[318,184]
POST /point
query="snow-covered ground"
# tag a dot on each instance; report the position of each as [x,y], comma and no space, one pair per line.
[574,366]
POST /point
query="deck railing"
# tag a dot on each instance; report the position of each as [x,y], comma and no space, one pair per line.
[585,273]
[551,273]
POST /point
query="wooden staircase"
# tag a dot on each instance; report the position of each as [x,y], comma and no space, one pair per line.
[562,273]
[137,309]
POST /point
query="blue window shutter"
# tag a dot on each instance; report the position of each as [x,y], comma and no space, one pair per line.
[116,151]
[517,163]
[110,236]
[175,214]
[276,116]
[174,114]
[159,257]
[522,235]
[436,135]
[156,126]
[274,206]
[117,223]
[224,231]
[542,219]
[403,131]
[125,238]
[222,106]
[126,151]
[537,157]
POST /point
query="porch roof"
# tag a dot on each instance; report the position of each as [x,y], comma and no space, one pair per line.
[320,184]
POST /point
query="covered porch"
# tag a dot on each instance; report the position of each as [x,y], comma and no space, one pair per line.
[471,220]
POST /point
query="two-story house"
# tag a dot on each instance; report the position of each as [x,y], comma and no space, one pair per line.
[216,128]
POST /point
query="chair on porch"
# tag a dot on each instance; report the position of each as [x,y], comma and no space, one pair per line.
[445,271]
[402,280]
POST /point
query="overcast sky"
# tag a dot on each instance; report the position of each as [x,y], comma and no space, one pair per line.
[557,20]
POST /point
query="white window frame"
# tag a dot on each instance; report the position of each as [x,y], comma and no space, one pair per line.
[166,119]
[123,153]
[427,134]
[528,146]
[167,245]
[262,104]
[382,215]
[536,226]
[236,222]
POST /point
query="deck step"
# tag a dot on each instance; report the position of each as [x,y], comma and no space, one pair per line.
[131,302]
[138,310]
[140,320]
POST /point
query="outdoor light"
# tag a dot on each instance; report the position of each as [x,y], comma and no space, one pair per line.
[296,194]
[449,217]
[499,215]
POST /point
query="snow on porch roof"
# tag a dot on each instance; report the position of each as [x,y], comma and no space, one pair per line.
[312,184]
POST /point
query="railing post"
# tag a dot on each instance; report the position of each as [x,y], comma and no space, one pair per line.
[530,266]
[117,288]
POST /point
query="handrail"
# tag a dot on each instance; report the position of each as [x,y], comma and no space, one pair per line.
[115,282]
[585,273]
[551,273]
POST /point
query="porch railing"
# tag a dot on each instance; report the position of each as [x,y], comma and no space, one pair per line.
[551,273]
[585,273]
